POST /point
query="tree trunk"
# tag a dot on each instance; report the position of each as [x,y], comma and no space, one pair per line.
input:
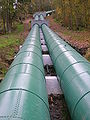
[4,28]
[63,11]
[71,15]
[7,22]
[10,27]
[85,13]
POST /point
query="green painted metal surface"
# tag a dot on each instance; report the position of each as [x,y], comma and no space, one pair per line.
[36,17]
[30,48]
[74,73]
[41,17]
[23,93]
[21,105]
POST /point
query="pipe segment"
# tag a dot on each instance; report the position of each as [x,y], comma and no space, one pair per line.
[23,93]
[41,17]
[74,74]
[36,17]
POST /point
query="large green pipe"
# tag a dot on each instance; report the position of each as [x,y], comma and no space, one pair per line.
[36,17]
[74,73]
[41,17]
[23,93]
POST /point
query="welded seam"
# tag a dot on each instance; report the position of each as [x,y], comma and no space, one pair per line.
[58,46]
[10,117]
[15,112]
[61,54]
[31,44]
[72,65]
[54,46]
[27,91]
[30,40]
[79,101]
[75,76]
[21,62]
[72,78]
[29,64]
[36,40]
[49,37]
[26,74]
[30,52]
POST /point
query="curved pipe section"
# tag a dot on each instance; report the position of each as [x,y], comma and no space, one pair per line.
[36,17]
[23,93]
[74,73]
[41,17]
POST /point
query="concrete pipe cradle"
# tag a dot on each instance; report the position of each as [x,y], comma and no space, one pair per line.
[23,93]
[74,74]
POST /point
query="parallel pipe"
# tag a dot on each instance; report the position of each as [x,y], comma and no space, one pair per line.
[41,17]
[74,73]
[23,93]
[36,17]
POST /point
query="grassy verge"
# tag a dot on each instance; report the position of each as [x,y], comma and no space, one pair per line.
[9,44]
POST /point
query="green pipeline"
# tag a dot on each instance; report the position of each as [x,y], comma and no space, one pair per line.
[41,17]
[23,93]
[73,71]
[36,17]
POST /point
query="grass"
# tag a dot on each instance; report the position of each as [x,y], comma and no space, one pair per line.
[9,44]
[12,38]
[20,28]
[8,41]
[3,69]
